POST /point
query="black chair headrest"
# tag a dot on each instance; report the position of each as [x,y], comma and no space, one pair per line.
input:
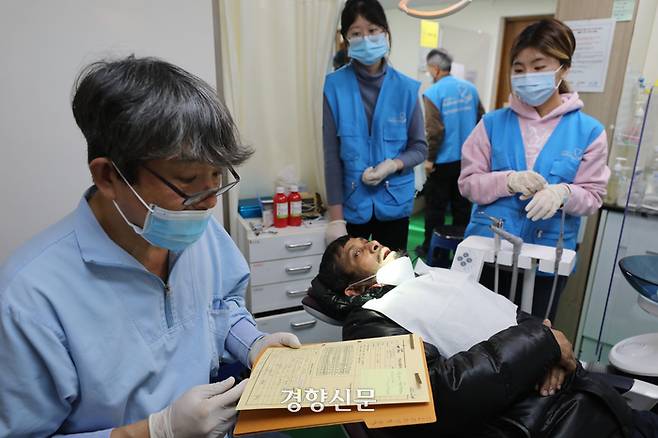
[328,302]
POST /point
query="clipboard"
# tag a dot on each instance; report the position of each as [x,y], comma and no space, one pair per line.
[384,415]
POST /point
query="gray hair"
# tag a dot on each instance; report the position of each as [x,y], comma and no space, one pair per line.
[138,109]
[440,58]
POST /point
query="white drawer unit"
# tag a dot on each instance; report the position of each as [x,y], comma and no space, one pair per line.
[295,243]
[282,266]
[278,295]
[307,328]
[276,271]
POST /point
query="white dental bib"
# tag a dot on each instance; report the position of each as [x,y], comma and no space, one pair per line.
[447,309]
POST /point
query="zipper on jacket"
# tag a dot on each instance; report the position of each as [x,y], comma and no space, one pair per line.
[167,306]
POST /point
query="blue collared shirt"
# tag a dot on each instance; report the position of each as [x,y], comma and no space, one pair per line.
[91,340]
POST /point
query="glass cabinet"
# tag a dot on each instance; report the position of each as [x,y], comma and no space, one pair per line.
[618,304]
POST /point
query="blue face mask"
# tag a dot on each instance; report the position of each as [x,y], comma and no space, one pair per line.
[172,230]
[369,49]
[535,88]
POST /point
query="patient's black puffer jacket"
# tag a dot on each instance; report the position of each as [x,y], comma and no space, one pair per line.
[488,391]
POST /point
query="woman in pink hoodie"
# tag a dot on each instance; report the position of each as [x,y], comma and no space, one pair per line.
[525,162]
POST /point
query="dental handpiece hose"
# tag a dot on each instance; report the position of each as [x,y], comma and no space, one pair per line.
[559,248]
[496,266]
[517,243]
[495,223]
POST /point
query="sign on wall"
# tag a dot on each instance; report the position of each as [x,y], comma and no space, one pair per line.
[429,34]
[589,66]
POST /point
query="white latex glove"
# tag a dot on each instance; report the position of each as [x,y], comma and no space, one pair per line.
[335,229]
[373,176]
[527,182]
[203,411]
[280,339]
[546,202]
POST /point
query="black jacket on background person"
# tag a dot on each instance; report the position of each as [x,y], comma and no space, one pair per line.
[489,390]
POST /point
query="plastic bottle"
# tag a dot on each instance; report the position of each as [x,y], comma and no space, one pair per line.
[623,181]
[613,184]
[639,106]
[650,199]
[280,208]
[295,207]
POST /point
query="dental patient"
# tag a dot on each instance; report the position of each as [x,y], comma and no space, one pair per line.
[517,376]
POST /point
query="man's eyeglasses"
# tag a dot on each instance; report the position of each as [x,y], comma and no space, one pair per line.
[195,198]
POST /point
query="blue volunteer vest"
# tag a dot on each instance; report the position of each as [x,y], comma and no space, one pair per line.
[558,162]
[457,100]
[361,147]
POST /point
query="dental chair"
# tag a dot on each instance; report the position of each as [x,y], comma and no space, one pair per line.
[315,309]
[639,394]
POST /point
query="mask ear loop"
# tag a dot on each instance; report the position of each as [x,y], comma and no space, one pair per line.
[363,280]
[557,87]
[139,230]
[131,188]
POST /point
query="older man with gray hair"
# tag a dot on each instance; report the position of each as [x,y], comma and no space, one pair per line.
[121,319]
[452,109]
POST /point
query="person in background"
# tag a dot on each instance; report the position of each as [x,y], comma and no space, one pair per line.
[372,134]
[523,163]
[452,109]
[114,321]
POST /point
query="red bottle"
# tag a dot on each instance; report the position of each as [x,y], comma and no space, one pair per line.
[280,208]
[295,210]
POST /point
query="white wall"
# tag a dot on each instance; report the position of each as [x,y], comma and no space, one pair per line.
[651,64]
[43,45]
[640,53]
[481,16]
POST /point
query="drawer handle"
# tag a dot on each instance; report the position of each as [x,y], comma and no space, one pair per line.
[294,246]
[295,293]
[299,325]
[299,270]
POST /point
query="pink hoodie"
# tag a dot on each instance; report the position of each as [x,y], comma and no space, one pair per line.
[481,186]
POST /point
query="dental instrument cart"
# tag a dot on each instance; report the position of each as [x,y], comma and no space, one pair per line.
[474,251]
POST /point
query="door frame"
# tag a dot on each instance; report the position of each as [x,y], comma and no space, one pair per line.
[501,52]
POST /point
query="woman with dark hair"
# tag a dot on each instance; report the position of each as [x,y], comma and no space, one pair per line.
[373,134]
[543,148]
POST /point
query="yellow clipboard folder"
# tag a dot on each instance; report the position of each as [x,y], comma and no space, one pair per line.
[382,382]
